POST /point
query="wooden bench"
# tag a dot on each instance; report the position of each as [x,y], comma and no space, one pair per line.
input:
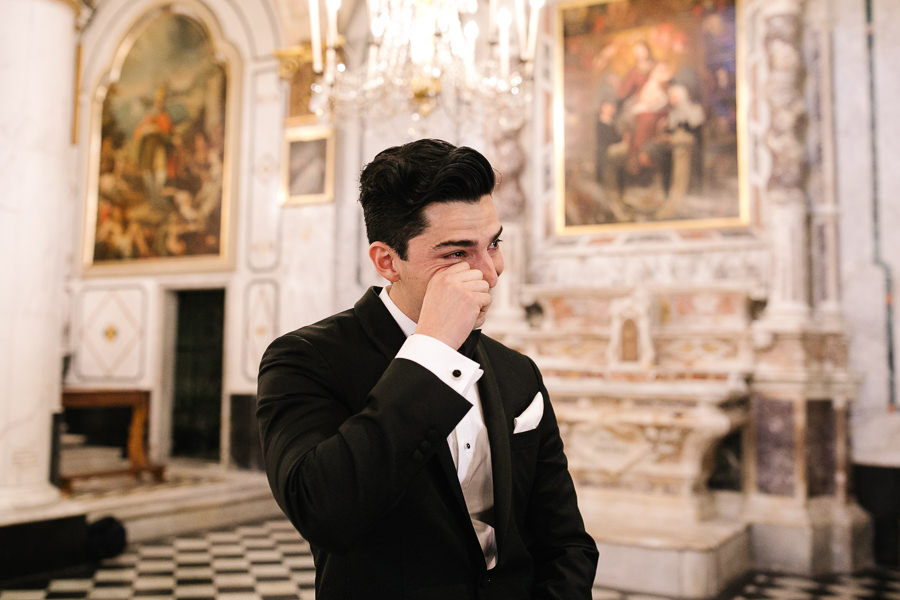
[139,401]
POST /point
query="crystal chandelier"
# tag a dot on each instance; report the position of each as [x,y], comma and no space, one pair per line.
[422,54]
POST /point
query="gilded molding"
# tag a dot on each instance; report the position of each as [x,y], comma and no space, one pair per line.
[290,59]
[74,5]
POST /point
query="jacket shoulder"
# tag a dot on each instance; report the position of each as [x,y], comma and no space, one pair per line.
[502,356]
[327,328]
[321,338]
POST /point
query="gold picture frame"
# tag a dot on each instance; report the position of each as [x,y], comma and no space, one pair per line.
[308,164]
[164,128]
[647,119]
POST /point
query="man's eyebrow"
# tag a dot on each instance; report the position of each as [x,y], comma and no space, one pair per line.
[463,243]
[454,243]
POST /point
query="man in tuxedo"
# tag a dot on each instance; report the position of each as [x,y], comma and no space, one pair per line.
[420,459]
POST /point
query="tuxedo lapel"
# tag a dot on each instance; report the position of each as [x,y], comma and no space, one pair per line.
[378,323]
[498,434]
[444,464]
[445,471]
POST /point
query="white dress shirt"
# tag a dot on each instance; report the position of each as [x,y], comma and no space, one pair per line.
[468,441]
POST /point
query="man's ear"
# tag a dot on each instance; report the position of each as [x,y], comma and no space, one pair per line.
[384,259]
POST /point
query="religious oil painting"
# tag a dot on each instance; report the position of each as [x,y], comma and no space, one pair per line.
[646,111]
[160,197]
[308,164]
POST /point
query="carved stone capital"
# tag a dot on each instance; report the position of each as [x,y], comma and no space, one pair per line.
[74,5]
[290,59]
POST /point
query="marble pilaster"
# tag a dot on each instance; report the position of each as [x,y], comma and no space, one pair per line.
[826,216]
[802,519]
[37,43]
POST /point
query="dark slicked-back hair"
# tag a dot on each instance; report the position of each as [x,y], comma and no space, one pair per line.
[400,182]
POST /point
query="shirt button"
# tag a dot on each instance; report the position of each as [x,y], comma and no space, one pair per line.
[457,373]
[468,445]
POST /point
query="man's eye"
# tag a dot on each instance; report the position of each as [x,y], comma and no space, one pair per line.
[495,243]
[457,254]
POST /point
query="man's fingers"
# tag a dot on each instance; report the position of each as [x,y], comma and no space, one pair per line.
[485,300]
[463,273]
[458,266]
[468,275]
[455,299]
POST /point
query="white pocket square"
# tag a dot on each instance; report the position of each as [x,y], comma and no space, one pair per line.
[531,416]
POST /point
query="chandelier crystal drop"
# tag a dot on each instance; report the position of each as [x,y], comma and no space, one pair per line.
[422,54]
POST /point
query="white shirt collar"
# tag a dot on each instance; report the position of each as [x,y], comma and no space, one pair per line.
[406,324]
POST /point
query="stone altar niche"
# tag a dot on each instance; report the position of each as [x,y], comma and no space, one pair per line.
[645,384]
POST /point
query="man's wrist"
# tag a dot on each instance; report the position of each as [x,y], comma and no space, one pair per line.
[451,367]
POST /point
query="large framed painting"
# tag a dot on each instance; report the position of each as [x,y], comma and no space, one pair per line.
[159,193]
[308,164]
[647,124]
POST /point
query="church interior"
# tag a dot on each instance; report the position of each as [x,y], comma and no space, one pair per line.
[696,207]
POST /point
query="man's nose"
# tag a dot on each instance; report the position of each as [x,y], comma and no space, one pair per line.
[490,267]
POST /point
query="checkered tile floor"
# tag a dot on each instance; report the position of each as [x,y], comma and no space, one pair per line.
[265,561]
[269,561]
[882,584]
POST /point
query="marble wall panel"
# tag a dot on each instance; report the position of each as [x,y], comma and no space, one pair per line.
[263,183]
[775,445]
[697,351]
[667,328]
[307,274]
[866,186]
[111,338]
[667,262]
[703,308]
[577,349]
[260,323]
[577,313]
[821,461]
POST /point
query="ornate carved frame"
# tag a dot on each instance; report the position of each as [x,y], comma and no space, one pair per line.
[230,58]
[318,142]
[561,111]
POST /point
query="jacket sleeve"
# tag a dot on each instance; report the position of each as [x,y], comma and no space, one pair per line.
[565,556]
[334,472]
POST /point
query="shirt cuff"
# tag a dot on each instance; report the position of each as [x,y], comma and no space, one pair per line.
[451,367]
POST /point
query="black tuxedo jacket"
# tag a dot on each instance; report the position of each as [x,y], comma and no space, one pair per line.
[356,454]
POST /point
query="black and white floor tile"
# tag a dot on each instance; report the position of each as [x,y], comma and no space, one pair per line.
[269,561]
[876,584]
[264,561]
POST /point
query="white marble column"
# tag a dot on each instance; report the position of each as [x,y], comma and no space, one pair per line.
[785,140]
[37,65]
[507,157]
